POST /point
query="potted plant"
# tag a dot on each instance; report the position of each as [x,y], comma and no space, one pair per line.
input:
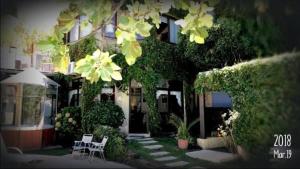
[183,135]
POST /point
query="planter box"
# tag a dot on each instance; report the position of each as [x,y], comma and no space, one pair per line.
[211,142]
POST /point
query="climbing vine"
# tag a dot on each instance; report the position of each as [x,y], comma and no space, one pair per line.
[89,92]
[80,49]
[136,18]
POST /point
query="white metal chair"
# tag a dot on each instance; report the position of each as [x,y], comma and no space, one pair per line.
[81,146]
[98,147]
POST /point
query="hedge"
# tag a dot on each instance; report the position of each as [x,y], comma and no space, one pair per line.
[265,92]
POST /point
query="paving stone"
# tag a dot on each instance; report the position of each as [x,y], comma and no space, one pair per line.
[148,142]
[144,139]
[166,158]
[212,156]
[153,147]
[177,164]
[160,153]
[133,138]
[197,167]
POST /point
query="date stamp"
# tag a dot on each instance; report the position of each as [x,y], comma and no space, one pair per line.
[282,146]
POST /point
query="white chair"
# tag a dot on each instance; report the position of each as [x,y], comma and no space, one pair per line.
[81,146]
[98,147]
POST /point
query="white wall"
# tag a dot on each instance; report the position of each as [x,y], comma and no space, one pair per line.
[122,100]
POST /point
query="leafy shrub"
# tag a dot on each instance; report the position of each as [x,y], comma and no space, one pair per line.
[115,148]
[104,113]
[264,91]
[68,124]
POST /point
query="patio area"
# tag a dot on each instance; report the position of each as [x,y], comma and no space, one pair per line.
[66,161]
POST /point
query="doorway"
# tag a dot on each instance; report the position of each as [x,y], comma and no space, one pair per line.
[137,111]
[169,101]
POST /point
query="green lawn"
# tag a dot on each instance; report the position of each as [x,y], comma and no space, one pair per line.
[170,145]
[53,152]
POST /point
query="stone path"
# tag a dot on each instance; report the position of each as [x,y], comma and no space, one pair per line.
[148,142]
[166,158]
[177,164]
[153,147]
[213,156]
[159,155]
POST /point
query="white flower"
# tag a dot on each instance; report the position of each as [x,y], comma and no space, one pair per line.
[67,114]
[223,133]
[56,128]
[74,122]
[70,120]
[57,124]
[227,122]
[58,115]
[224,115]
[56,118]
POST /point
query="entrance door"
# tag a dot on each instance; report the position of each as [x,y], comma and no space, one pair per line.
[169,101]
[138,111]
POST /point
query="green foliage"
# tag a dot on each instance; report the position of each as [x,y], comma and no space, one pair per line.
[58,51]
[115,148]
[103,113]
[63,90]
[148,70]
[136,20]
[68,124]
[197,22]
[229,42]
[264,92]
[182,127]
[89,92]
[98,65]
[81,49]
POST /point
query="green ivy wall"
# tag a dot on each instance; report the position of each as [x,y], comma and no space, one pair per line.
[265,92]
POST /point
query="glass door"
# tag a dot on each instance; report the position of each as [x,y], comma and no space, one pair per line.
[138,111]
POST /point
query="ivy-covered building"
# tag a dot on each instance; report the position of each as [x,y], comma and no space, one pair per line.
[130,94]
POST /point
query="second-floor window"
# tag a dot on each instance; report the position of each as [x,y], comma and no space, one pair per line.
[110,28]
[168,30]
[78,31]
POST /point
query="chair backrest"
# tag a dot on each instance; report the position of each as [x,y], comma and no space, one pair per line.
[104,140]
[87,138]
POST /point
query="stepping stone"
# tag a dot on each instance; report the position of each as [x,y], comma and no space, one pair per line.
[148,142]
[144,139]
[177,164]
[197,167]
[160,153]
[212,156]
[154,147]
[166,158]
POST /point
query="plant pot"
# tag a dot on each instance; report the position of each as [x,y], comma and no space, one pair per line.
[242,153]
[183,144]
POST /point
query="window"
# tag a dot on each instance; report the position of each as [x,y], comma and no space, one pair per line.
[173,31]
[168,30]
[74,33]
[8,104]
[31,104]
[78,31]
[87,29]
[109,30]
[163,31]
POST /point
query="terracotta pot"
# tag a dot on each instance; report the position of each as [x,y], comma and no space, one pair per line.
[183,144]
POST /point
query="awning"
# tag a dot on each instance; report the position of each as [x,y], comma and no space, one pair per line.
[30,76]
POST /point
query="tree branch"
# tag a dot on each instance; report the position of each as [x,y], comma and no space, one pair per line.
[103,24]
